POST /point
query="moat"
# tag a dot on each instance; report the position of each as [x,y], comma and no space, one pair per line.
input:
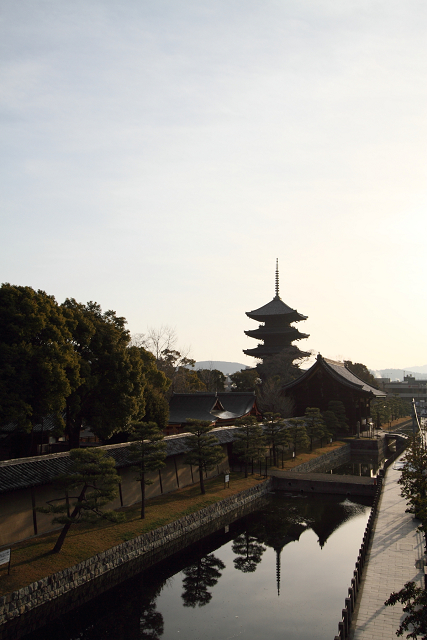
[280,572]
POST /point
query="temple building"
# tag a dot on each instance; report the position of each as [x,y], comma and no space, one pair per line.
[276,331]
[329,380]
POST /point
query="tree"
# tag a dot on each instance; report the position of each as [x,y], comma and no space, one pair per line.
[270,398]
[111,392]
[337,407]
[415,600]
[213,379]
[39,367]
[331,422]
[284,365]
[147,452]
[274,432]
[204,450]
[156,406]
[248,440]
[198,577]
[245,380]
[94,474]
[296,434]
[361,371]
[413,482]
[314,425]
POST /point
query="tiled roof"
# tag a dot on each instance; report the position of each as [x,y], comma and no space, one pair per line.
[339,372]
[49,424]
[275,307]
[195,406]
[238,403]
[31,472]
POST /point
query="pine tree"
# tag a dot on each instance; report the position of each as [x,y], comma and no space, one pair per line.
[296,434]
[94,474]
[147,452]
[249,441]
[274,432]
[339,409]
[204,450]
[315,425]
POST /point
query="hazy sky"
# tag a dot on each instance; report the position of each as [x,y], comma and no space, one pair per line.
[158,155]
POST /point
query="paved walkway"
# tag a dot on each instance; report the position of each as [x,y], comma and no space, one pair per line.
[395,557]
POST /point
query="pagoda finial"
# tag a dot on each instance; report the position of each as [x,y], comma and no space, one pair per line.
[277,278]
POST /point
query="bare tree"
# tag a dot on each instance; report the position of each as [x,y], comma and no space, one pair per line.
[137,340]
[270,398]
[160,339]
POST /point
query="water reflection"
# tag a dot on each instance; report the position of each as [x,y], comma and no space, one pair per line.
[279,572]
[198,577]
[248,551]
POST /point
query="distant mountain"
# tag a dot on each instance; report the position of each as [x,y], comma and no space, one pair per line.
[399,374]
[225,367]
[422,369]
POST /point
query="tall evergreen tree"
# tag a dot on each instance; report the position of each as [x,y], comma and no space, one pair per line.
[204,450]
[249,441]
[148,453]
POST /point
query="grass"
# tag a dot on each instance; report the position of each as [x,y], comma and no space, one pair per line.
[33,559]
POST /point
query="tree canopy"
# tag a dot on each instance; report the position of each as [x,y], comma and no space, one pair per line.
[361,371]
[111,392]
[75,362]
[39,365]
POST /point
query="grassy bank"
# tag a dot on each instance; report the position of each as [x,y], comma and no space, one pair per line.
[32,559]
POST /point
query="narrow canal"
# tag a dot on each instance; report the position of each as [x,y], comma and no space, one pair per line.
[280,573]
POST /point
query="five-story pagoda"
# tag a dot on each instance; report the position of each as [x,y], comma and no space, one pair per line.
[276,333]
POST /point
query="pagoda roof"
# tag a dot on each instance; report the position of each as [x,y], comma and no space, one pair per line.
[275,331]
[276,307]
[339,372]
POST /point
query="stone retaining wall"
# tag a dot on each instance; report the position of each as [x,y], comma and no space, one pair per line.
[326,461]
[14,604]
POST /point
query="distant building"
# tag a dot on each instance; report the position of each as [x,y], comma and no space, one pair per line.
[276,331]
[409,389]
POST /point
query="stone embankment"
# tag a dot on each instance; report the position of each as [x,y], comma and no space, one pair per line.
[326,461]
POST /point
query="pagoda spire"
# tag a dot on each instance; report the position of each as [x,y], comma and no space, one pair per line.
[277,278]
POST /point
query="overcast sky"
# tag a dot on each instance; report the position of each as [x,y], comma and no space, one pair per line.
[159,155]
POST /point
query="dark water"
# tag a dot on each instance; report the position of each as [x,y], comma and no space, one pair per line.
[369,467]
[279,573]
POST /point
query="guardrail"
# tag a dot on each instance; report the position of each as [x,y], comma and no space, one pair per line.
[350,601]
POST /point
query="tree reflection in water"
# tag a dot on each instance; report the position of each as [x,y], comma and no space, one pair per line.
[198,577]
[151,622]
[248,551]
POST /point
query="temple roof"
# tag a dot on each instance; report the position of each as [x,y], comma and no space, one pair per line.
[276,308]
[339,372]
[210,406]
